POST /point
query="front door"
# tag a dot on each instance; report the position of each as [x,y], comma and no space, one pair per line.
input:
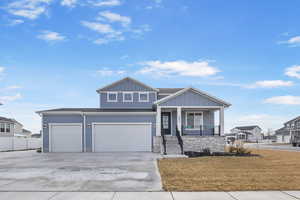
[166,123]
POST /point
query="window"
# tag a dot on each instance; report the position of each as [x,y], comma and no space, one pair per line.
[112,97]
[194,120]
[127,97]
[144,97]
[2,128]
[7,128]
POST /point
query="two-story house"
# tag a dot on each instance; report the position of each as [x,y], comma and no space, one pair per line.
[290,128]
[136,117]
[248,133]
[9,127]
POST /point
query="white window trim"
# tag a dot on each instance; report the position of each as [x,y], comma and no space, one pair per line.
[191,129]
[147,93]
[124,100]
[108,93]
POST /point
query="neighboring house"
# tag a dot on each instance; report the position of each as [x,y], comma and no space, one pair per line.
[133,117]
[283,135]
[26,132]
[248,133]
[290,128]
[36,135]
[9,127]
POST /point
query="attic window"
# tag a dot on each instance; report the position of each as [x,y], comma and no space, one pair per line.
[112,97]
[127,97]
[144,97]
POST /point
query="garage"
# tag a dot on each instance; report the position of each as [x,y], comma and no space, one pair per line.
[113,137]
[65,137]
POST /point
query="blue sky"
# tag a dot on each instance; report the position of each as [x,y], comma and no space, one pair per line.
[56,53]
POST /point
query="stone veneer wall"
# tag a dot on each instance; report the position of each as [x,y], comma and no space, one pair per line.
[195,143]
[156,144]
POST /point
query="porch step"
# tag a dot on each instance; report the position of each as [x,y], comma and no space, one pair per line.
[172,145]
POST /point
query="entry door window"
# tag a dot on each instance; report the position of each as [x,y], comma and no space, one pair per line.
[166,123]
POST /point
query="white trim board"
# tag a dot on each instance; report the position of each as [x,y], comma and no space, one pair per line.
[107,96]
[202,121]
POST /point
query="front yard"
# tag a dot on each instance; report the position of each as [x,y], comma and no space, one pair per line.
[274,170]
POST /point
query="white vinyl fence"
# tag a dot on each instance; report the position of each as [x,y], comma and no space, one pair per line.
[14,143]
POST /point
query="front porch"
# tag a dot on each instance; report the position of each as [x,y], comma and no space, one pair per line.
[190,120]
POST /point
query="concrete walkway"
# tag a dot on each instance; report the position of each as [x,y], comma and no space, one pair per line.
[266,195]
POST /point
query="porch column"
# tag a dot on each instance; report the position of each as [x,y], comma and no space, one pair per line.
[179,119]
[221,120]
[158,121]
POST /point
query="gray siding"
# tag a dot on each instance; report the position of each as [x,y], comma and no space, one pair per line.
[57,119]
[114,118]
[190,98]
[121,104]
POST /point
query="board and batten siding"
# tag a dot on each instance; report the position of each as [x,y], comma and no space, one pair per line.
[74,118]
[190,98]
[121,104]
[127,85]
[113,118]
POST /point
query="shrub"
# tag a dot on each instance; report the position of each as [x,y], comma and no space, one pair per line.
[206,151]
[239,150]
[39,150]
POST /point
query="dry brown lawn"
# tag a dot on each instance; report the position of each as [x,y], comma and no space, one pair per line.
[274,170]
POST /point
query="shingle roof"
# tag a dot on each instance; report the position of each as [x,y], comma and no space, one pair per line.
[95,110]
[169,90]
[247,127]
[9,120]
[282,131]
[296,118]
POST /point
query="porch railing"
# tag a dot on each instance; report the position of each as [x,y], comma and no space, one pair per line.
[202,130]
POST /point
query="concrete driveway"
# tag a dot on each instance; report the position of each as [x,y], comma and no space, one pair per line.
[31,171]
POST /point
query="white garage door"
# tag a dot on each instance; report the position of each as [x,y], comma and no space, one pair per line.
[122,137]
[65,137]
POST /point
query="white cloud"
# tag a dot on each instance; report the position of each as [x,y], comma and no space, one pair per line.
[51,36]
[98,27]
[180,67]
[114,17]
[109,72]
[293,71]
[2,69]
[30,9]
[68,3]
[13,87]
[271,84]
[108,3]
[4,99]
[292,42]
[284,100]
[16,22]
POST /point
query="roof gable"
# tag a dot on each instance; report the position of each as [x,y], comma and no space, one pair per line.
[127,84]
[215,100]
[295,119]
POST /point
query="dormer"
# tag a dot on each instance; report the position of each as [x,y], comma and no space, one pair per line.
[127,93]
